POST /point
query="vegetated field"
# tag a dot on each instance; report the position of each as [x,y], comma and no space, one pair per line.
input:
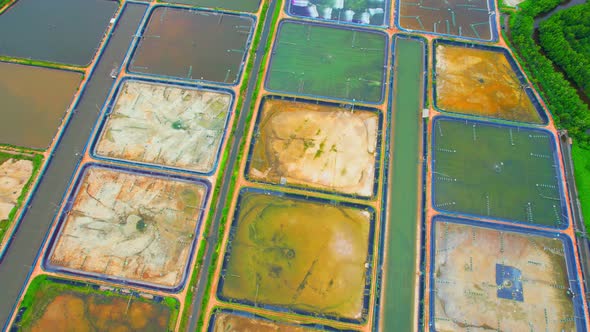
[297,254]
[326,61]
[497,171]
[17,171]
[318,146]
[461,18]
[130,226]
[224,321]
[166,125]
[193,44]
[52,304]
[581,158]
[481,82]
[242,5]
[485,278]
[64,31]
[34,101]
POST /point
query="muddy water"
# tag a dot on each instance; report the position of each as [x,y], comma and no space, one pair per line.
[468,18]
[56,307]
[500,172]
[64,31]
[193,45]
[226,322]
[239,5]
[300,255]
[33,102]
[481,82]
[400,273]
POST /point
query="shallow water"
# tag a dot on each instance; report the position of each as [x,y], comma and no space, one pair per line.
[64,31]
[238,5]
[34,101]
[300,255]
[194,45]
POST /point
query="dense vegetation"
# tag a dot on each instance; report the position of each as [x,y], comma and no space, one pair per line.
[565,38]
[569,111]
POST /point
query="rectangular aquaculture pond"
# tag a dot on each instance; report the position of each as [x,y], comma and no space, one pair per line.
[497,171]
[129,227]
[321,146]
[483,81]
[34,101]
[64,31]
[312,257]
[165,125]
[507,279]
[55,304]
[193,44]
[474,19]
[230,320]
[370,12]
[237,5]
[325,61]
[18,169]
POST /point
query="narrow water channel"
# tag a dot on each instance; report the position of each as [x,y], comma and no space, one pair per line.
[400,266]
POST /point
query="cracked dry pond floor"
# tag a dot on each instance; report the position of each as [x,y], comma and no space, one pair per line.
[468,296]
[130,226]
[319,146]
[165,125]
[299,255]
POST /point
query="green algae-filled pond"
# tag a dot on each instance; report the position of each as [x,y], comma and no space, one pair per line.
[301,255]
[502,172]
[237,5]
[325,61]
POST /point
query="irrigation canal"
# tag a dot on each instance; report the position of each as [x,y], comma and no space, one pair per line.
[30,236]
[212,237]
[400,276]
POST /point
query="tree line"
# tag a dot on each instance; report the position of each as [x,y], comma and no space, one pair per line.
[565,38]
[569,111]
